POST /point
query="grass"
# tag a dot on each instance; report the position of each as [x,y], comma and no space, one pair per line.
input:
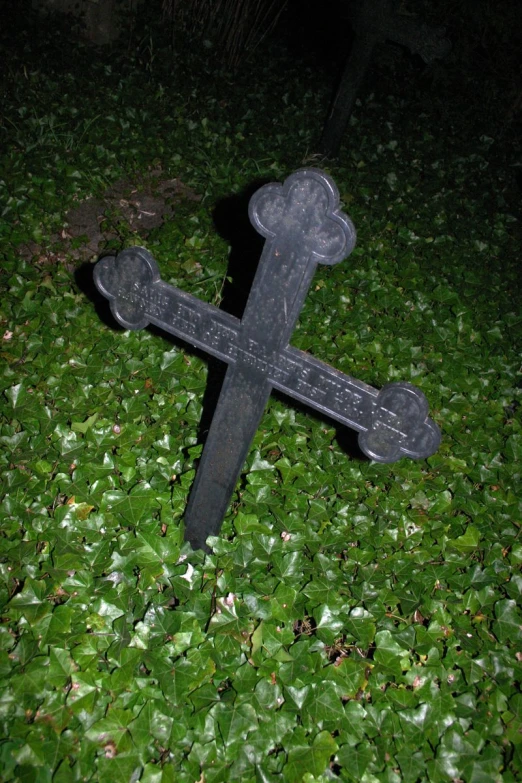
[355,621]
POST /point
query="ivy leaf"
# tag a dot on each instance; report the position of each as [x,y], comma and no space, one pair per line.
[86,425]
[468,542]
[349,676]
[458,754]
[61,667]
[154,550]
[328,623]
[152,723]
[83,694]
[133,506]
[120,769]
[355,760]
[17,395]
[508,623]
[323,708]
[227,621]
[312,759]
[235,721]
[389,652]
[412,765]
[361,626]
[33,594]
[114,729]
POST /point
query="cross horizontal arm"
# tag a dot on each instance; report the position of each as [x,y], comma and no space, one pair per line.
[393,422]
[138,297]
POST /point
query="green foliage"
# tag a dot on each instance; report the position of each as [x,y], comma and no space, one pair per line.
[355,621]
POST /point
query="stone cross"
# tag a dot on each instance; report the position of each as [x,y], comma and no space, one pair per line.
[303,226]
[376,21]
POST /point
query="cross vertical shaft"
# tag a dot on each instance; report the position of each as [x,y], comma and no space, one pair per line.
[301,228]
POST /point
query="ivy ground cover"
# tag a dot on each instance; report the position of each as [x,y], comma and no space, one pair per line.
[355,621]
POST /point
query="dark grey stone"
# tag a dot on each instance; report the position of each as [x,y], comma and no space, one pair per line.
[303,226]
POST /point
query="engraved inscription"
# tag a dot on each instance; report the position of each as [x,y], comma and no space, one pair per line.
[134,298]
[154,300]
[253,355]
[389,420]
[309,386]
[221,338]
[308,379]
[188,318]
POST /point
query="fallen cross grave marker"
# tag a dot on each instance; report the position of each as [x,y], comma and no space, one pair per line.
[303,226]
[377,21]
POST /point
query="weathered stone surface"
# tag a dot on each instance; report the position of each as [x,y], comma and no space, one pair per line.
[303,226]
